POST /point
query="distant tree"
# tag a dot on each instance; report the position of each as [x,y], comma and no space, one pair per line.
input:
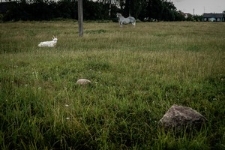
[136,7]
[110,5]
[142,9]
[179,16]
[169,11]
[189,17]
[197,17]
[93,10]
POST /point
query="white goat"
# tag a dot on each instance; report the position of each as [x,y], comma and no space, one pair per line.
[48,43]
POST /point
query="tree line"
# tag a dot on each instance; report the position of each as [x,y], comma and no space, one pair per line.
[144,10]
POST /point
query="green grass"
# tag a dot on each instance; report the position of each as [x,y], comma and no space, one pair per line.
[136,74]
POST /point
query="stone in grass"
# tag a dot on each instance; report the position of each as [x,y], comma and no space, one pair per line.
[181,117]
[83,82]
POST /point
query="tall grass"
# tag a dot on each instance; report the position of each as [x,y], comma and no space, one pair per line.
[136,73]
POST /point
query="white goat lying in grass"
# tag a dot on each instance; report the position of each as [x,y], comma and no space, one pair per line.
[49,43]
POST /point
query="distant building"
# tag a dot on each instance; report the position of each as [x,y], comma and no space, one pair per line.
[215,17]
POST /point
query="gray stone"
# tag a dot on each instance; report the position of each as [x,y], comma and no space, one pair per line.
[179,117]
[83,81]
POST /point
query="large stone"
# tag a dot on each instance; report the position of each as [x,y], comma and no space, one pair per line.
[179,117]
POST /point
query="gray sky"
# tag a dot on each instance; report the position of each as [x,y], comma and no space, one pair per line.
[198,7]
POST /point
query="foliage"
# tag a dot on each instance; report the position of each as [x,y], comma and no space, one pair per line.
[145,10]
[51,10]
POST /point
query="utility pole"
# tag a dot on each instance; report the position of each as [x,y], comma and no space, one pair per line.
[80,17]
[110,7]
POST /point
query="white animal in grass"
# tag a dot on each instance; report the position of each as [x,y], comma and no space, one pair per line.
[49,43]
[127,20]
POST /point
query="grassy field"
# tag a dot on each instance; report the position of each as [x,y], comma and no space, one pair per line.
[136,74]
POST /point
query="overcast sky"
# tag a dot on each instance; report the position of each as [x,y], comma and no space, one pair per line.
[198,7]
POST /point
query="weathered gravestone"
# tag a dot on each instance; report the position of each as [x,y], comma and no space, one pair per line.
[180,117]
